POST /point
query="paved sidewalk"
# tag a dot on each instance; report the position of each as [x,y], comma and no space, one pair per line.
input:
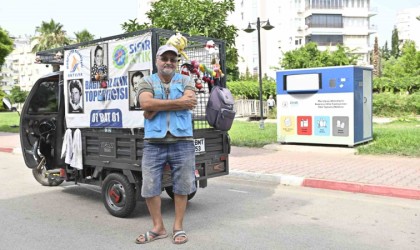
[335,168]
[329,167]
[10,142]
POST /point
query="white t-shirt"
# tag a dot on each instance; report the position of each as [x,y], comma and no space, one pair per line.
[271,102]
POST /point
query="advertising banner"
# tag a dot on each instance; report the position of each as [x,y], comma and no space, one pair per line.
[100,83]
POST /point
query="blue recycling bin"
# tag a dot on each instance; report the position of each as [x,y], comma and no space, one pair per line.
[328,105]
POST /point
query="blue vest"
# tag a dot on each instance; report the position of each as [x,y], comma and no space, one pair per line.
[178,123]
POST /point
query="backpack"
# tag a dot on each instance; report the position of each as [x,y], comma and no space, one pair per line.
[219,110]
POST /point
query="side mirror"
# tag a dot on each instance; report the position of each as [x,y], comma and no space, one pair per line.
[7,103]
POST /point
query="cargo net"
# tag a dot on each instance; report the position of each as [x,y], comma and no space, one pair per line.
[202,77]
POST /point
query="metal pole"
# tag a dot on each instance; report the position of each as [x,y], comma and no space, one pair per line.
[260,74]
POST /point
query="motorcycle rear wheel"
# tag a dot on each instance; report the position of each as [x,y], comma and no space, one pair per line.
[40,175]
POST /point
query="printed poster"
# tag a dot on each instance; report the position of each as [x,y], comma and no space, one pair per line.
[100,83]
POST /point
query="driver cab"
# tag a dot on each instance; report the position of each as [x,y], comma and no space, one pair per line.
[42,123]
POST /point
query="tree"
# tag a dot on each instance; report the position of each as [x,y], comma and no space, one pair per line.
[304,57]
[385,53]
[342,56]
[309,56]
[376,58]
[395,44]
[401,74]
[410,58]
[6,46]
[49,35]
[83,36]
[17,95]
[195,17]
[132,25]
[408,64]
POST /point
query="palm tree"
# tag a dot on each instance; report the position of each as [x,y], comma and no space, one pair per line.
[50,35]
[83,36]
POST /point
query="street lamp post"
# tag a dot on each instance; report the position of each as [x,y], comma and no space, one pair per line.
[249,29]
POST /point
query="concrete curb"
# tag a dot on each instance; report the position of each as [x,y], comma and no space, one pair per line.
[363,188]
[11,150]
[288,180]
[17,151]
[291,180]
[6,150]
[309,148]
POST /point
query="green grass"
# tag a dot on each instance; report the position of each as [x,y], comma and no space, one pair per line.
[249,134]
[401,137]
[9,122]
[395,138]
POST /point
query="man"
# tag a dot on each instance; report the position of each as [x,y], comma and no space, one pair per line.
[167,98]
[75,88]
[135,80]
[271,102]
[99,71]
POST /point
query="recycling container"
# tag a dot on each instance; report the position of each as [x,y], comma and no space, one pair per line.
[328,105]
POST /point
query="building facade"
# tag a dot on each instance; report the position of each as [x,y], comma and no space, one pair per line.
[408,26]
[296,22]
[287,34]
[143,6]
[20,68]
[345,22]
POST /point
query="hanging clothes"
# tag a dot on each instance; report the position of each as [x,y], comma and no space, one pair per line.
[77,161]
[67,148]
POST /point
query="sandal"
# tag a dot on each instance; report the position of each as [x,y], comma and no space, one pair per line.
[179,233]
[149,237]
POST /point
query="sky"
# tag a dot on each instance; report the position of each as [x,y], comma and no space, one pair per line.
[101,18]
[104,18]
[387,16]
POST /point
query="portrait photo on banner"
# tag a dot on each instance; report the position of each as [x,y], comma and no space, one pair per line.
[99,62]
[134,77]
[75,90]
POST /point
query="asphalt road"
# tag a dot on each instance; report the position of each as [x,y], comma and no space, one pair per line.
[229,214]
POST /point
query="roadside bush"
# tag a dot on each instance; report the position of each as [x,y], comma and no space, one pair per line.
[414,102]
[385,104]
[272,114]
[393,105]
[250,89]
[406,84]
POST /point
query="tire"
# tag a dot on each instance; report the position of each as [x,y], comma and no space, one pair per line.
[41,177]
[170,192]
[118,195]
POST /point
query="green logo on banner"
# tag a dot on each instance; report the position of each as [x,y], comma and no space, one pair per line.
[120,57]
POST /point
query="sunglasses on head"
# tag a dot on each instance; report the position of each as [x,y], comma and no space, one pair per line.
[168,59]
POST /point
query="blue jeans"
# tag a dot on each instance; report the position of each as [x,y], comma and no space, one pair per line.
[181,158]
